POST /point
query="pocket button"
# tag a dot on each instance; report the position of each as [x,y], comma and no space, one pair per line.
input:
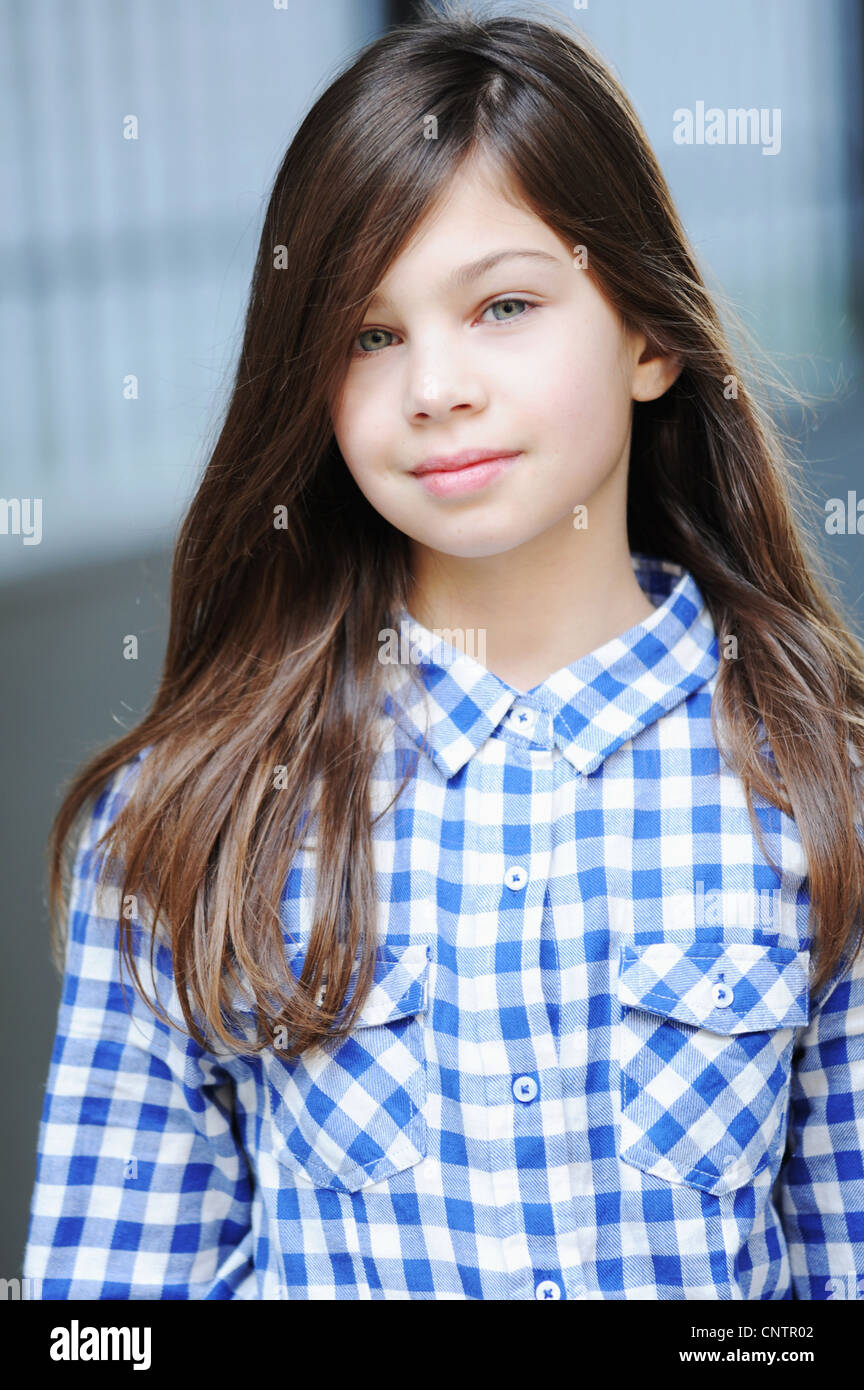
[722,995]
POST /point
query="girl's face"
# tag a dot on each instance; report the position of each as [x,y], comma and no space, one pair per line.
[524,356]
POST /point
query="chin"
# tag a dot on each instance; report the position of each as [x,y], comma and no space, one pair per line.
[472,549]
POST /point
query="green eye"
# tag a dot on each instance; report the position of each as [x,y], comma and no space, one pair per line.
[510,300]
[368,333]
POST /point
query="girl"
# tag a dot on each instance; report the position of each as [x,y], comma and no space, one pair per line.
[492,844]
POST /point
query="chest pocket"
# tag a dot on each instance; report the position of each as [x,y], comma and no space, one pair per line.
[705,1046]
[349,1112]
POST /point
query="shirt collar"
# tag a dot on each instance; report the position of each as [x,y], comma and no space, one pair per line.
[593,705]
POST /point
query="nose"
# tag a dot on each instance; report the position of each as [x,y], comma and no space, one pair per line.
[435,389]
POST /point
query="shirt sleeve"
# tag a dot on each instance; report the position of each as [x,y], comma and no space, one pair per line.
[143,1188]
[821,1183]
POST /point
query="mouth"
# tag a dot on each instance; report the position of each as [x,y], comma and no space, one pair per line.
[466,472]
[466,458]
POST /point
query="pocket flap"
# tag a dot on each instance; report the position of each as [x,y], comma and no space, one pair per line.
[727,987]
[399,983]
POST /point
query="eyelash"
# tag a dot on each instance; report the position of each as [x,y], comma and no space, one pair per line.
[503,299]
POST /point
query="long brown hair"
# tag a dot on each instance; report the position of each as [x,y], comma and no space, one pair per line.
[270,697]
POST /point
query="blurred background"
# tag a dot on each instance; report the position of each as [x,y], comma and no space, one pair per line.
[125,269]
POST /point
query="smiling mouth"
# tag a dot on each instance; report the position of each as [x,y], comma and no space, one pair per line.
[466,458]
[466,477]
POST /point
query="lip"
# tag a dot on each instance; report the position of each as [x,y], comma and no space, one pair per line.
[466,477]
[449,463]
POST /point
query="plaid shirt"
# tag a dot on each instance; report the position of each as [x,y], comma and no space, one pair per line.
[590,1066]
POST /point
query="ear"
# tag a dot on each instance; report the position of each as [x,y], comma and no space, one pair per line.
[653,370]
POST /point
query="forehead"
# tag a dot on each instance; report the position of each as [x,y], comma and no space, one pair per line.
[479,214]
[482,191]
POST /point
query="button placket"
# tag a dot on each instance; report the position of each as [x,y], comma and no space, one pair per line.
[542,1084]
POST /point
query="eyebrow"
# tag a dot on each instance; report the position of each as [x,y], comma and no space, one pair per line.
[466,274]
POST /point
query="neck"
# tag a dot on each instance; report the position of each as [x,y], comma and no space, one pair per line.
[540,606]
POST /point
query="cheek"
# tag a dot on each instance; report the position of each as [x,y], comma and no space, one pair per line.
[582,388]
[357,420]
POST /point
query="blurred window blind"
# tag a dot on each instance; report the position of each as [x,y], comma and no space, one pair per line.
[132,257]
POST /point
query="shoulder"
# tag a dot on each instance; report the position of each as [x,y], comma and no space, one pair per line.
[99,815]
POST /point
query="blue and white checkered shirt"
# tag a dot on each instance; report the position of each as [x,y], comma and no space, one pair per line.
[590,1066]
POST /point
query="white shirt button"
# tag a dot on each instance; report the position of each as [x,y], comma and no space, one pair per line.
[522,719]
[525,1088]
[722,995]
[516,877]
[547,1288]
